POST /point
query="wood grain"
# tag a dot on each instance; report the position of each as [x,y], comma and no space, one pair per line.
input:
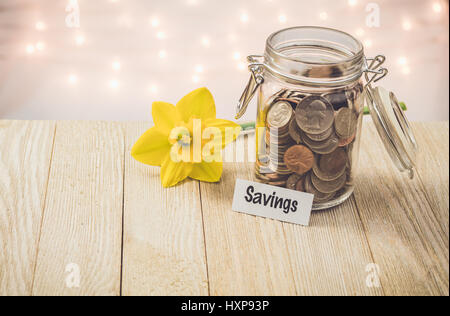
[246,255]
[163,247]
[330,256]
[25,154]
[82,222]
[432,168]
[404,234]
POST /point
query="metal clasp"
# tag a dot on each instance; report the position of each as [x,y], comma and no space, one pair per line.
[373,66]
[256,68]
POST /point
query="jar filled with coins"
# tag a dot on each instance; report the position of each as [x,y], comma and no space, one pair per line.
[312,85]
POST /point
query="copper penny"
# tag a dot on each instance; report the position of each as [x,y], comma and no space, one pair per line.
[346,141]
[299,159]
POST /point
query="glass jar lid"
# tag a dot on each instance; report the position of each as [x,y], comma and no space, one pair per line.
[393,128]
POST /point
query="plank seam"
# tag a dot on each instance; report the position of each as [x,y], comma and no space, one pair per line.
[204,236]
[43,208]
[365,231]
[123,210]
[289,257]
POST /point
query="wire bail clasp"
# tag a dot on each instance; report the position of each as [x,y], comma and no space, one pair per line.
[372,66]
[256,68]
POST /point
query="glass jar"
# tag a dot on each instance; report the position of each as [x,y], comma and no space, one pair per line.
[311,96]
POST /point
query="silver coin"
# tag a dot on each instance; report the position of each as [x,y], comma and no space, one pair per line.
[279,115]
[319,197]
[340,169]
[321,136]
[314,115]
[345,123]
[295,132]
[322,147]
[329,186]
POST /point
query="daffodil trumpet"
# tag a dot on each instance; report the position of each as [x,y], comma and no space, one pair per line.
[187,139]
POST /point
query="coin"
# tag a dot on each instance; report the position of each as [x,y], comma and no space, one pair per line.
[300,186]
[299,159]
[345,123]
[321,136]
[291,182]
[346,141]
[337,99]
[328,186]
[324,147]
[279,114]
[294,131]
[314,115]
[277,183]
[319,197]
[331,166]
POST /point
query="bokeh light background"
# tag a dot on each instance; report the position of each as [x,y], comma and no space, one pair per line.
[128,53]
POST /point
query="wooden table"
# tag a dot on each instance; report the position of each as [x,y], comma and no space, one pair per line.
[71,197]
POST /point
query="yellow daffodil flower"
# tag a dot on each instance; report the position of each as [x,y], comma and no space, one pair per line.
[178,128]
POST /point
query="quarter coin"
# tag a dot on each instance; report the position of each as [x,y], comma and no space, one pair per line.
[345,123]
[324,147]
[331,166]
[314,115]
[329,186]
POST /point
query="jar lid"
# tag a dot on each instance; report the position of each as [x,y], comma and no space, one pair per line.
[393,128]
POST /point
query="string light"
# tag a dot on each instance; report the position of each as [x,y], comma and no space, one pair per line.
[406,25]
[323,16]
[282,19]
[241,66]
[195,79]
[30,49]
[437,7]
[80,40]
[205,41]
[114,84]
[199,68]
[160,35]
[153,89]
[162,54]
[72,79]
[40,26]
[236,55]
[352,3]
[116,65]
[360,32]
[244,18]
[406,70]
[368,43]
[154,22]
[40,46]
[402,61]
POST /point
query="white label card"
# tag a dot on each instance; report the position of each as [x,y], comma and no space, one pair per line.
[272,202]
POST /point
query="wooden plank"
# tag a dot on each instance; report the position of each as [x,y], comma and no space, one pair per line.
[330,256]
[250,255]
[163,250]
[246,255]
[433,168]
[25,154]
[403,232]
[82,225]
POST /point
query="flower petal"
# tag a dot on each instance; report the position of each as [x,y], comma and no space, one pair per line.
[198,103]
[165,116]
[230,130]
[151,148]
[174,172]
[207,171]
